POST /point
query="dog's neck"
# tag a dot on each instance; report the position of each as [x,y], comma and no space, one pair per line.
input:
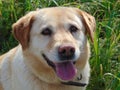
[75,83]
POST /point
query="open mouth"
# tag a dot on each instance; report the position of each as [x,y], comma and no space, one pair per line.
[64,70]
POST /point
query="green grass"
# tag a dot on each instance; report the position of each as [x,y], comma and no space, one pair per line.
[105,57]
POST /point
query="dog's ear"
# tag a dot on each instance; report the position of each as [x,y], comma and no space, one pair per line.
[21,29]
[89,22]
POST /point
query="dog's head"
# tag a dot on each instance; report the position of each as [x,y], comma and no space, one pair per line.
[54,41]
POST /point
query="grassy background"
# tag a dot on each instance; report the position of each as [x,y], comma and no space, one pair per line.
[105,59]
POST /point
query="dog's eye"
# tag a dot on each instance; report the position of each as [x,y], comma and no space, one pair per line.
[46,31]
[73,29]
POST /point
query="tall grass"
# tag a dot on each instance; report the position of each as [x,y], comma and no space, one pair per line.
[105,56]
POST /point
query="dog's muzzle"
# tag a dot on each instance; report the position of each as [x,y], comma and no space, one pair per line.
[71,83]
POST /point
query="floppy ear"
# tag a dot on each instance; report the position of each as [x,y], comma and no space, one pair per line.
[89,22]
[21,29]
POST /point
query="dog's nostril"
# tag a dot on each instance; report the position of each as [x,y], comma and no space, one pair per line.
[63,51]
[72,50]
[66,52]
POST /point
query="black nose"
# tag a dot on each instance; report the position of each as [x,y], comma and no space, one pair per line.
[66,52]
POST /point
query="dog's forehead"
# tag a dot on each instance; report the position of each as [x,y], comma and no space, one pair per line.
[58,14]
[57,11]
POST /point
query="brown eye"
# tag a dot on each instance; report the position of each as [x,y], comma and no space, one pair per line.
[73,29]
[46,31]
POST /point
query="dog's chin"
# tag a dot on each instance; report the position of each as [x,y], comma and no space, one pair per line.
[65,71]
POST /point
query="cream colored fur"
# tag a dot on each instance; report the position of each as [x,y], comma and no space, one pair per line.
[24,68]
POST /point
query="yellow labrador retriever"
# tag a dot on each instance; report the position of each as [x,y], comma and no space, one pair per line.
[53,52]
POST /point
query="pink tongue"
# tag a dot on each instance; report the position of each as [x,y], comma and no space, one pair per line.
[66,70]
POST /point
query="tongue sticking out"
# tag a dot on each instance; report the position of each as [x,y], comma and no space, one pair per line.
[66,70]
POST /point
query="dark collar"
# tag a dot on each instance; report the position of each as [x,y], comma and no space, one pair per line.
[72,83]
